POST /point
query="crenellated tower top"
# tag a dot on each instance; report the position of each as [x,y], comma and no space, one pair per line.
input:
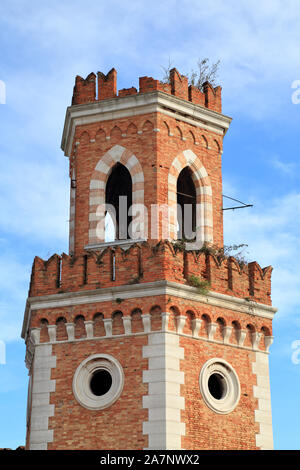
[87,91]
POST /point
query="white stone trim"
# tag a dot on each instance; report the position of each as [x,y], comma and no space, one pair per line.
[227,330]
[204,213]
[261,391]
[41,409]
[70,327]
[164,402]
[196,325]
[268,342]
[89,328]
[82,378]
[145,290]
[211,330]
[232,389]
[97,197]
[142,103]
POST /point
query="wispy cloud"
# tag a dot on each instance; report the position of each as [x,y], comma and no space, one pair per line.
[34,198]
[272,232]
[290,169]
[256,42]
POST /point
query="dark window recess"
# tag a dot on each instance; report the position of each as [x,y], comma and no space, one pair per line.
[100,382]
[186,199]
[217,386]
[85,269]
[119,183]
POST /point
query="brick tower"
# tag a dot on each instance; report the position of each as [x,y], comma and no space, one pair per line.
[143,342]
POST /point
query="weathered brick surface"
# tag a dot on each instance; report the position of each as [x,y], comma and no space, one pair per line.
[145,263]
[206,429]
[155,152]
[119,426]
[156,140]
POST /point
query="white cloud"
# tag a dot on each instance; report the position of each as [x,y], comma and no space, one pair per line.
[14,283]
[272,231]
[256,42]
[34,199]
[288,168]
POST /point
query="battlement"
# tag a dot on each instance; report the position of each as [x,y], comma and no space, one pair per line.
[144,263]
[85,89]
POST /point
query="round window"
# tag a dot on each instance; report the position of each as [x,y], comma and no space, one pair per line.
[98,381]
[219,386]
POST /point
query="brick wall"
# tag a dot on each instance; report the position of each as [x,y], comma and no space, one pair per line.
[155,140]
[145,263]
[118,427]
[121,425]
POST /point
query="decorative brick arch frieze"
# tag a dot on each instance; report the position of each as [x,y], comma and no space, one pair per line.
[98,183]
[204,211]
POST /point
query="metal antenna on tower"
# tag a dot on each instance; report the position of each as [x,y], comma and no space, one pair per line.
[235,207]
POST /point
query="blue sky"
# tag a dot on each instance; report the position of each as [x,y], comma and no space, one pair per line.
[44,45]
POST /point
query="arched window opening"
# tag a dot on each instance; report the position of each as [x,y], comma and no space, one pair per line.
[118,194]
[186,200]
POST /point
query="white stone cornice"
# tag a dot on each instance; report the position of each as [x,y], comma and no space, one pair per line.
[196,325]
[141,290]
[211,330]
[127,325]
[142,103]
[89,328]
[241,336]
[35,335]
[146,319]
[180,322]
[108,326]
[268,341]
[52,333]
[70,327]
[227,333]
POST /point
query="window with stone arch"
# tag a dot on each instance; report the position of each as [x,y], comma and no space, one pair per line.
[188,176]
[117,173]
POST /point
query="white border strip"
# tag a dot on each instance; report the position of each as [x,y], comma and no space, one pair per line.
[41,410]
[261,391]
[164,402]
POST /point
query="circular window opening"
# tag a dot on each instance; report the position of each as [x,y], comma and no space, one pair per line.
[98,381]
[217,386]
[101,382]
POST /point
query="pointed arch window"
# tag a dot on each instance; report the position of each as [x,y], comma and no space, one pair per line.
[118,195]
[186,200]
